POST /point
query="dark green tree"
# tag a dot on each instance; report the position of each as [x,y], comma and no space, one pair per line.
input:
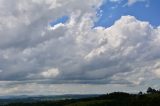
[151,90]
[140,93]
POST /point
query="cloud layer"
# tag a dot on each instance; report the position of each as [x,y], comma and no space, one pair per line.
[74,52]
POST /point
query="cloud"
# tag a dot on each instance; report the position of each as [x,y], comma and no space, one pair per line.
[156,70]
[26,38]
[74,52]
[131,2]
[114,0]
[123,50]
[51,73]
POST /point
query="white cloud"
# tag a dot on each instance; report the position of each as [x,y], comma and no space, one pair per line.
[56,26]
[131,2]
[114,0]
[51,73]
[1,70]
[157,72]
[125,53]
[156,69]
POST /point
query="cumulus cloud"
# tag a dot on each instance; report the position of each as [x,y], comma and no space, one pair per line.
[75,51]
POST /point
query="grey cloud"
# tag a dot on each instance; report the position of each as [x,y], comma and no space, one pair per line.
[125,53]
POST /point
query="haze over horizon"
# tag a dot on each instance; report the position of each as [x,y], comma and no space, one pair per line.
[54,47]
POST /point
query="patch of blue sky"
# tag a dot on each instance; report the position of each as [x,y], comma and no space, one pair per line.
[62,20]
[109,12]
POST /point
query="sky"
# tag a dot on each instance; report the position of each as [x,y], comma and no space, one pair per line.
[56,47]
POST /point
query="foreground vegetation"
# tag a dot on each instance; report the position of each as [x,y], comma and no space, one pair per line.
[151,98]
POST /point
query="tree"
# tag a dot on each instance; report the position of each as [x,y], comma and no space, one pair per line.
[151,90]
[140,93]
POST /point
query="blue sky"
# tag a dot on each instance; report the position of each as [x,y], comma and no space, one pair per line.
[145,11]
[111,11]
[62,19]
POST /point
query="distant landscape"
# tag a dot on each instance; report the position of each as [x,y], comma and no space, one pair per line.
[150,98]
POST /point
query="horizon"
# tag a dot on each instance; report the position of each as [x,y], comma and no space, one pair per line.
[50,47]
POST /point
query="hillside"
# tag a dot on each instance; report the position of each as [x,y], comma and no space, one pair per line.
[112,99]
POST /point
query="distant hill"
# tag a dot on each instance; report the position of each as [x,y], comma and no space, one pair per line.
[5,100]
[151,98]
